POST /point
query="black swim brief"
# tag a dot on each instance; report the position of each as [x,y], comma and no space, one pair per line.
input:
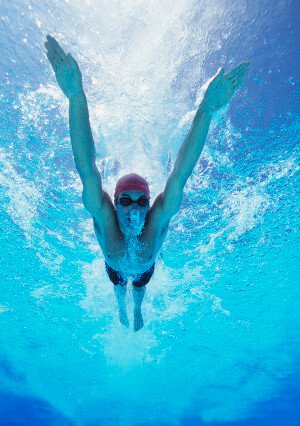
[139,281]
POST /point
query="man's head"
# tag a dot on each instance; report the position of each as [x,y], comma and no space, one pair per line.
[132,203]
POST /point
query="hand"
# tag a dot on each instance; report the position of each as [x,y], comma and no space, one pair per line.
[223,86]
[67,72]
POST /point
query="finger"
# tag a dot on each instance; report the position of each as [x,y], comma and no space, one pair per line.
[236,79]
[241,66]
[52,62]
[239,75]
[238,70]
[55,57]
[55,46]
[51,57]
[55,61]
[53,53]
[50,51]
[72,61]
[237,86]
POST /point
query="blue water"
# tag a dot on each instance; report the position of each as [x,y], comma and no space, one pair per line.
[220,345]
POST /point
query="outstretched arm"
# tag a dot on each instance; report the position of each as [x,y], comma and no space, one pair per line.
[219,92]
[68,77]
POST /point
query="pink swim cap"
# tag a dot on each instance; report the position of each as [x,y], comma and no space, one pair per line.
[132,181]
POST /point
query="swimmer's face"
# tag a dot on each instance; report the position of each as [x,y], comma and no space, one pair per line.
[132,216]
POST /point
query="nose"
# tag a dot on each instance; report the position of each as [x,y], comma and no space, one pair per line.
[134,206]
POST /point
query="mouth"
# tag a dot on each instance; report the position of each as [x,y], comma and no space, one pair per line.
[130,222]
[134,217]
[135,224]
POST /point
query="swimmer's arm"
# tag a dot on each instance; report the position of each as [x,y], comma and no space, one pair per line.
[93,196]
[219,92]
[171,198]
[69,79]
[81,135]
[84,155]
[193,144]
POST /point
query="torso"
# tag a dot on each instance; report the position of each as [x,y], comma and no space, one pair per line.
[135,256]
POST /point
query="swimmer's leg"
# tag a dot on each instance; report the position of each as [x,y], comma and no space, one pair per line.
[138,296]
[120,292]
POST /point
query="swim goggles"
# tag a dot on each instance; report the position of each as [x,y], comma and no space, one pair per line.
[127,201]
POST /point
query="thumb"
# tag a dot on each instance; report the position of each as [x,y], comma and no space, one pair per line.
[219,75]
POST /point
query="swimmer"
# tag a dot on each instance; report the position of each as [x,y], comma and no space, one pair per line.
[129,231]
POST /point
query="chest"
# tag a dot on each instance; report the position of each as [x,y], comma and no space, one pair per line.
[135,255]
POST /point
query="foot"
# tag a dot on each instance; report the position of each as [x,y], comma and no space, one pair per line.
[138,320]
[123,317]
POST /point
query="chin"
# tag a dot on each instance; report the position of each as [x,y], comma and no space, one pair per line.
[135,231]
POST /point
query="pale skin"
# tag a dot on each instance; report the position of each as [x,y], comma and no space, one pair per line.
[111,222]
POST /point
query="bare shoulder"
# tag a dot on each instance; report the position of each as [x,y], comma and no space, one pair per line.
[156,215]
[107,212]
[108,206]
[107,200]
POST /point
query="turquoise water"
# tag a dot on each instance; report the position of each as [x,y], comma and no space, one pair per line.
[220,344]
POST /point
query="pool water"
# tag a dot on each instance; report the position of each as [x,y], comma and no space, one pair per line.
[220,345]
